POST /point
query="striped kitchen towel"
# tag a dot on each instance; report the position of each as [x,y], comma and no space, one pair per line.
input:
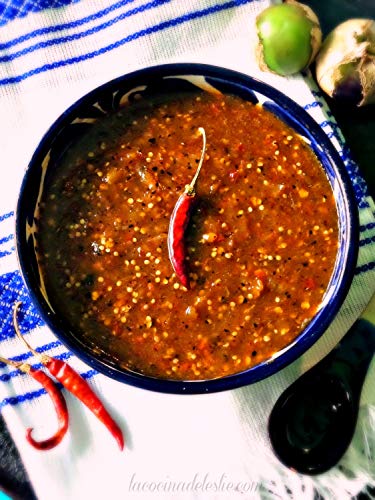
[212,446]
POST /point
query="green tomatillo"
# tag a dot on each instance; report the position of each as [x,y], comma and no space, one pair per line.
[289,37]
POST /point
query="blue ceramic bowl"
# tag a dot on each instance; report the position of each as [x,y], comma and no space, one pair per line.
[166,79]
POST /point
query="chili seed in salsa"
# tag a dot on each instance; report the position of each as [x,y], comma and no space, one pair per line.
[261,243]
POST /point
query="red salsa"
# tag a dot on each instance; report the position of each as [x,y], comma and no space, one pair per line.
[261,243]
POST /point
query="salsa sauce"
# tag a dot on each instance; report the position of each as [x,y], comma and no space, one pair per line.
[261,243]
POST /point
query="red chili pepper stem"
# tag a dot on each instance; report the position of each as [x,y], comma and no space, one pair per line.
[11,363]
[18,332]
[190,188]
[58,402]
[179,221]
[75,384]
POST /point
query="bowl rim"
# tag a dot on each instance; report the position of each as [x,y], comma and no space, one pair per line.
[309,335]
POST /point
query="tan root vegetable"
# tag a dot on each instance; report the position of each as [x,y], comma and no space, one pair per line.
[345,65]
[289,38]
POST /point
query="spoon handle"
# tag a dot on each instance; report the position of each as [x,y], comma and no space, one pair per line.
[313,421]
[352,355]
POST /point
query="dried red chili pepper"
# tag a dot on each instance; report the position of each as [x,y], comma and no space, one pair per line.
[57,399]
[179,221]
[75,384]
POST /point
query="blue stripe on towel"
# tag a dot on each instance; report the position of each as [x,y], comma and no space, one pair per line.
[22,398]
[134,36]
[6,216]
[4,253]
[21,8]
[29,396]
[41,349]
[314,104]
[5,239]
[317,93]
[12,290]
[83,34]
[365,268]
[329,123]
[367,241]
[65,26]
[367,227]
[359,184]
[38,366]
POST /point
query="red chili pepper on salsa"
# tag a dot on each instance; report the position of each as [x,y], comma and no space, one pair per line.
[75,384]
[179,221]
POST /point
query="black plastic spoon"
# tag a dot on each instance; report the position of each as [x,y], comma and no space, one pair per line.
[313,421]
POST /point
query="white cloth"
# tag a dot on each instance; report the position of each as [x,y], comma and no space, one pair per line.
[189,447]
